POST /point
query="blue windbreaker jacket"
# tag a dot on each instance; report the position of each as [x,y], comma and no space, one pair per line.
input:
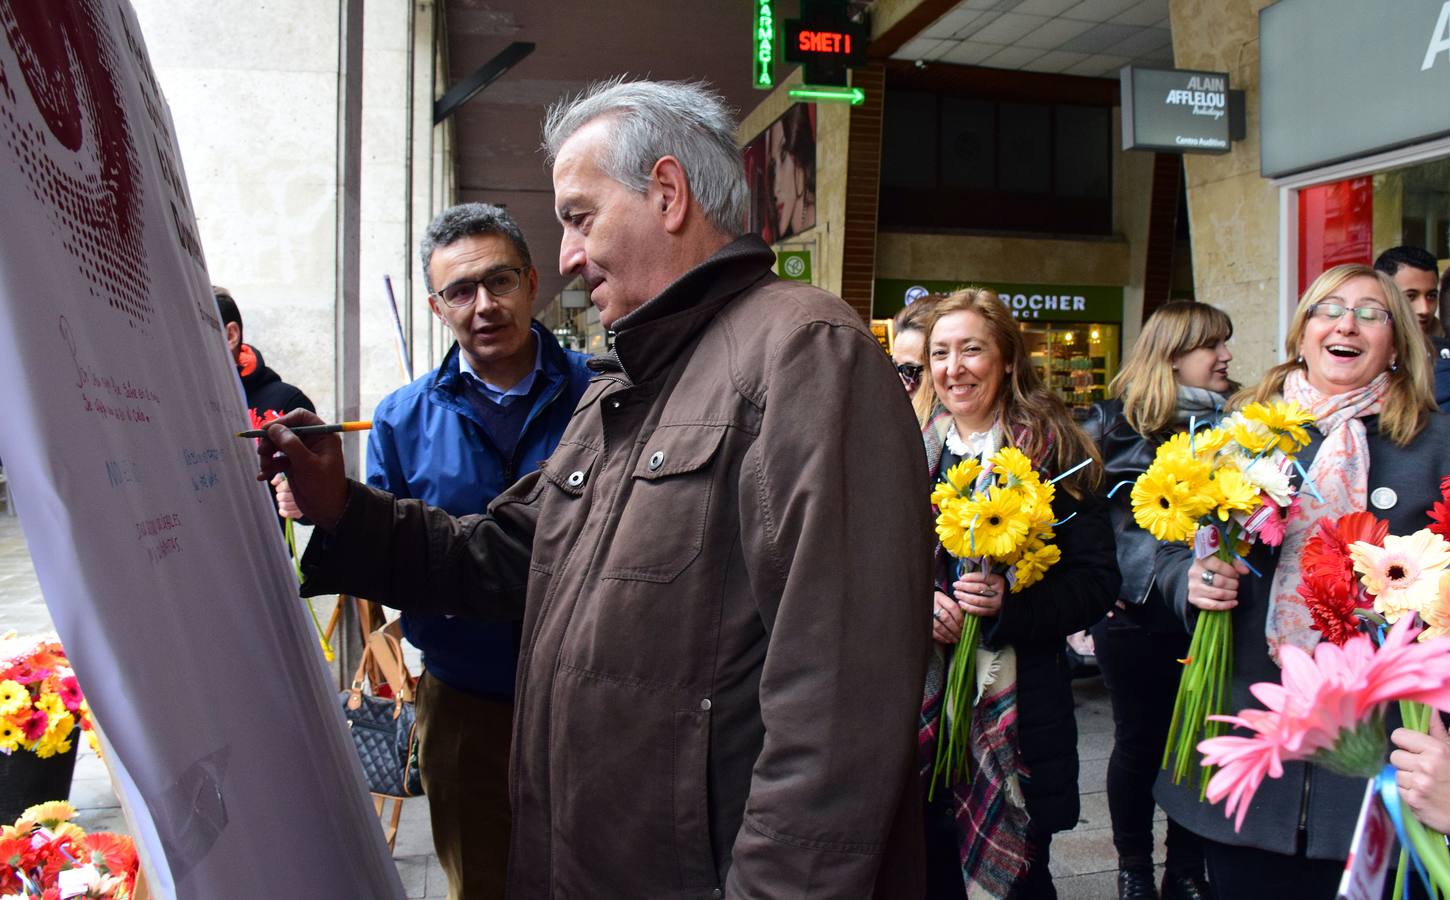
[428,444]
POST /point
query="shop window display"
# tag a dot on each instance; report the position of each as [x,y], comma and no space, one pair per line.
[1075,359]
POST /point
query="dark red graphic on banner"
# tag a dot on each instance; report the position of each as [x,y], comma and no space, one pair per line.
[89,182]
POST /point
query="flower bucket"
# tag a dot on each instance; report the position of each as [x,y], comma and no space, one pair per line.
[26,779]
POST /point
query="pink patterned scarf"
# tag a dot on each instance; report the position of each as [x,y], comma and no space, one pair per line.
[1340,473]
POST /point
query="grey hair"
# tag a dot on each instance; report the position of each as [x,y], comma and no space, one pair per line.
[654,119]
[466,220]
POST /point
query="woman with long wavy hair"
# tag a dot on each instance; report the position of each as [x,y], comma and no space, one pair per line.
[989,835]
[1176,374]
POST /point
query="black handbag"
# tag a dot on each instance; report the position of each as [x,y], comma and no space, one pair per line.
[384,729]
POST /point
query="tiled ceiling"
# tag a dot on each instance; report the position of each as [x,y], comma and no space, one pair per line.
[1095,38]
[579,41]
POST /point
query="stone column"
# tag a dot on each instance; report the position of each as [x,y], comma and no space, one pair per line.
[1233,213]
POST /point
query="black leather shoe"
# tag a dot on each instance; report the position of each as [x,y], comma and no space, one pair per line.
[1183,887]
[1136,884]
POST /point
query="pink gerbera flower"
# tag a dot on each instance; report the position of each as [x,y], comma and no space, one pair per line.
[1271,532]
[34,727]
[1328,708]
[70,693]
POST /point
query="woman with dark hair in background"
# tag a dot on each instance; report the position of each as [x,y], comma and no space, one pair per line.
[1176,373]
[990,835]
[791,150]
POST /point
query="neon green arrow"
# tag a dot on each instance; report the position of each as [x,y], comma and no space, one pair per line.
[852,95]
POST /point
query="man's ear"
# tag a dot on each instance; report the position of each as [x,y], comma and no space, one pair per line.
[531,283]
[234,336]
[437,311]
[669,192]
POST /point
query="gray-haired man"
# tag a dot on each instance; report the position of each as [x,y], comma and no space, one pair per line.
[724,569]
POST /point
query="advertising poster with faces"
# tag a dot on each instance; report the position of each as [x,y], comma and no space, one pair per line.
[780,165]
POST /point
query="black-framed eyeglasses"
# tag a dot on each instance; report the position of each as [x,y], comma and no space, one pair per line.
[910,372]
[1368,314]
[499,283]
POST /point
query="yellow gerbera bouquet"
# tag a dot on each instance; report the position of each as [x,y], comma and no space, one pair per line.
[1220,489]
[995,517]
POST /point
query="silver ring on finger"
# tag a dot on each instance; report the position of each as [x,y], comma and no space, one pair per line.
[1206,578]
[936,614]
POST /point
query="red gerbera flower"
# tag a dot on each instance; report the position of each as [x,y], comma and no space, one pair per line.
[117,852]
[1440,517]
[1328,582]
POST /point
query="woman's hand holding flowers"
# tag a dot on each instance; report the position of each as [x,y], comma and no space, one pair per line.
[1423,776]
[980,593]
[1223,591]
[946,619]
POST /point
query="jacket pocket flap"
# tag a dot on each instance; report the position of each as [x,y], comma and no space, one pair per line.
[674,449]
[570,467]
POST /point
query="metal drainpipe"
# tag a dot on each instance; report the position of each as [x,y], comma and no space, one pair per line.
[347,344]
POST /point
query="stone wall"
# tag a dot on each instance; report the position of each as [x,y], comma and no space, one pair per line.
[1233,213]
[253,92]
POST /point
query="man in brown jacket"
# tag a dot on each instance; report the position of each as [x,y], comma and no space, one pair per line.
[723,569]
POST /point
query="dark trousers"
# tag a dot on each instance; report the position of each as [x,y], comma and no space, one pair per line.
[1247,873]
[463,755]
[1141,671]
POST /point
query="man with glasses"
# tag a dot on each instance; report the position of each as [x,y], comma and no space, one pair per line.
[456,438]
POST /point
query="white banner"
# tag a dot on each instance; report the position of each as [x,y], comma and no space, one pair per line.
[159,557]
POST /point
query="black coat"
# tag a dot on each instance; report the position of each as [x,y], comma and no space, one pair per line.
[1325,805]
[268,395]
[1126,455]
[1072,596]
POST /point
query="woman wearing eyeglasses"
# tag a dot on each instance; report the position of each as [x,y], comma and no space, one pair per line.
[1177,373]
[1357,362]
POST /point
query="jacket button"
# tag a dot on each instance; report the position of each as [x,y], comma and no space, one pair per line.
[717,893]
[656,460]
[705,704]
[614,404]
[576,479]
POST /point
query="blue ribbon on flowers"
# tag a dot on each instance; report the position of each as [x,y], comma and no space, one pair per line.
[1070,516]
[1070,471]
[1119,485]
[1384,785]
[1308,483]
[1224,542]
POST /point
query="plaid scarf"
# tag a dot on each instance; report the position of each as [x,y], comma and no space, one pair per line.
[989,809]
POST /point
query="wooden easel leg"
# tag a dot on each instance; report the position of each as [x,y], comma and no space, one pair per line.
[332,620]
[390,830]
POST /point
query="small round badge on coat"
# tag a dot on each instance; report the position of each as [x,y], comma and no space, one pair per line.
[1383,498]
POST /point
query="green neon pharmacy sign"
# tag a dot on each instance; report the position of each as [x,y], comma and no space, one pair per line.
[764,62]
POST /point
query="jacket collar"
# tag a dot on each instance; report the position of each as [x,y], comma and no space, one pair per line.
[648,340]
[552,358]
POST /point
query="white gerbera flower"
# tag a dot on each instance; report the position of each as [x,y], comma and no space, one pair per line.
[1269,474]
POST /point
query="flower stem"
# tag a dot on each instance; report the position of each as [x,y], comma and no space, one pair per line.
[1430,847]
[955,719]
[1202,692]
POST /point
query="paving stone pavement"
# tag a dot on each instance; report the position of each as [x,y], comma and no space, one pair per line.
[1083,862]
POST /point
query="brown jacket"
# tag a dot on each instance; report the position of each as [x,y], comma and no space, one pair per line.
[723,572]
